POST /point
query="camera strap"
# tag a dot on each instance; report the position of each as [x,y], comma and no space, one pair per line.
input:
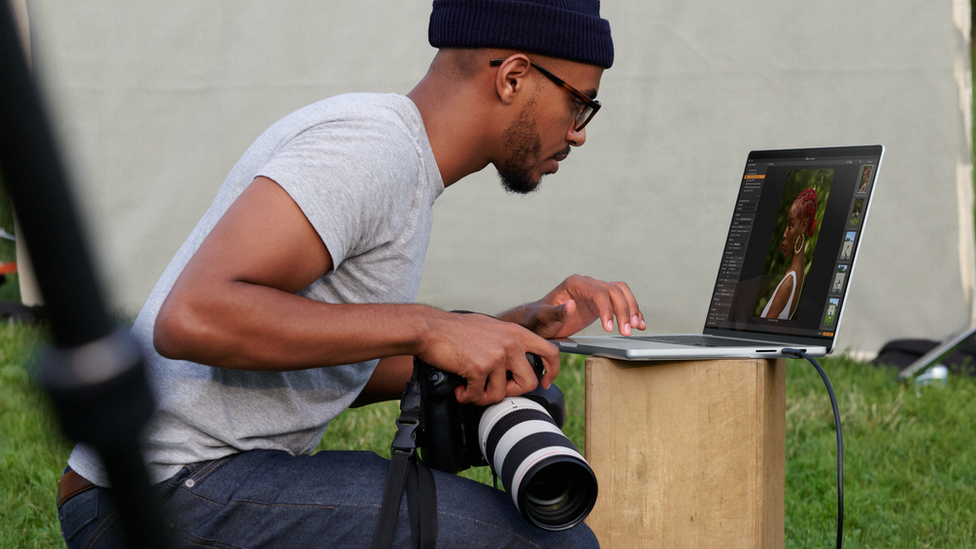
[408,471]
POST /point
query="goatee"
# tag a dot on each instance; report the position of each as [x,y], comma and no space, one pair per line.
[524,147]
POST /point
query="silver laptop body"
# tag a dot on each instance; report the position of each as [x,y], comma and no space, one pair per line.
[761,304]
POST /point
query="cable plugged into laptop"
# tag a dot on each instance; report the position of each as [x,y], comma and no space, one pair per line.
[840,440]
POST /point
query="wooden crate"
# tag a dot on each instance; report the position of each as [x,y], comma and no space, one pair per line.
[687,454]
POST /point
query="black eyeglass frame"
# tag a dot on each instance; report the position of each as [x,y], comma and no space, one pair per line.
[587,110]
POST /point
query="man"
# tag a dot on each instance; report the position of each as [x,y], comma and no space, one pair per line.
[293,297]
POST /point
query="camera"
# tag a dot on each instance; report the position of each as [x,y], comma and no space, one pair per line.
[552,486]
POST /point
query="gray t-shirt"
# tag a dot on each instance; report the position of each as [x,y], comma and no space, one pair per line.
[361,169]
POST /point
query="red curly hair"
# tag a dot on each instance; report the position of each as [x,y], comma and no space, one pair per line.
[807,203]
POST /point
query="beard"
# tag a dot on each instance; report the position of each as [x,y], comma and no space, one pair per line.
[523,146]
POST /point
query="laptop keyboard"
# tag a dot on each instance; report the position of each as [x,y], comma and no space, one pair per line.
[690,339]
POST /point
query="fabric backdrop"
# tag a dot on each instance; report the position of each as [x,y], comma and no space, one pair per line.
[155,101]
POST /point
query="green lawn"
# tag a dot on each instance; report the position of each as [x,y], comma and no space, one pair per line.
[910,473]
[31,454]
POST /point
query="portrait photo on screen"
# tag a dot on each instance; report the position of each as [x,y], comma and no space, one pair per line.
[794,240]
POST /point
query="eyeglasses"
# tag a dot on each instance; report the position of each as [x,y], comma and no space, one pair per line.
[587,107]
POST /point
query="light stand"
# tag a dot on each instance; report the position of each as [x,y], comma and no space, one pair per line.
[94,374]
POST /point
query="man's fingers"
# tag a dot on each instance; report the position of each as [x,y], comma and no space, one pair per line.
[491,355]
[512,376]
[633,308]
[552,370]
[622,305]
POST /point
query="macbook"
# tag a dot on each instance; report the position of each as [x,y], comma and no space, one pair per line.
[786,268]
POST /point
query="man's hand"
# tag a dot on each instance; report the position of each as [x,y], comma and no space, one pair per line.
[577,303]
[489,354]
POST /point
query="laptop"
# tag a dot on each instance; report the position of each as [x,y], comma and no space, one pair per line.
[784,274]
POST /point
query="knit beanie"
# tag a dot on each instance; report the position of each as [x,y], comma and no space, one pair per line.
[567,29]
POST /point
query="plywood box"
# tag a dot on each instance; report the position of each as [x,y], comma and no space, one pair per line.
[687,454]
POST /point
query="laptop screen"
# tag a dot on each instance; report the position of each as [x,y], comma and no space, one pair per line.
[793,242]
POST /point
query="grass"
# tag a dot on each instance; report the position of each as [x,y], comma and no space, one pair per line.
[32,455]
[908,461]
[909,454]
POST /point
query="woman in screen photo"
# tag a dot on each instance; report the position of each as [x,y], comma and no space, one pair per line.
[792,244]
[800,224]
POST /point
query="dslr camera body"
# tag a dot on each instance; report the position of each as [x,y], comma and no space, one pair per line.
[520,438]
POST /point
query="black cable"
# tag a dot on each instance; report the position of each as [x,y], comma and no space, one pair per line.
[840,442]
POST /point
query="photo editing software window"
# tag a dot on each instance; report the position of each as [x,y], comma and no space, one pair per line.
[792,241]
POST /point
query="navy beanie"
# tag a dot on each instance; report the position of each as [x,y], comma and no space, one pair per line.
[567,29]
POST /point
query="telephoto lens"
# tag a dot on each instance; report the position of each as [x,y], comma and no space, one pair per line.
[551,484]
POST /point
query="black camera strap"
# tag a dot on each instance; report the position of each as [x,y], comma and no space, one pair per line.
[408,471]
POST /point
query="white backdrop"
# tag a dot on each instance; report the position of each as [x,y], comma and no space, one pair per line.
[155,101]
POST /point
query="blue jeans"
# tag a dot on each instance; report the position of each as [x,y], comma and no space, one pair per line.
[267,498]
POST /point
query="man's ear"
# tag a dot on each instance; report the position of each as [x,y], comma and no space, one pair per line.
[510,78]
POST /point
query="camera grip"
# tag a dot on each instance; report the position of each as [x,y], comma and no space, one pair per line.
[449,438]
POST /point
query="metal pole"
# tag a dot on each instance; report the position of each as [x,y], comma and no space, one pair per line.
[94,374]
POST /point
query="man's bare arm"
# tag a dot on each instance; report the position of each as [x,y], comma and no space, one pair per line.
[234,306]
[387,382]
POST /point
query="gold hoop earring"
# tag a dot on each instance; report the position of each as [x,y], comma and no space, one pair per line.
[798,245]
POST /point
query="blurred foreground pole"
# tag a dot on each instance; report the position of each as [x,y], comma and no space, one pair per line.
[94,374]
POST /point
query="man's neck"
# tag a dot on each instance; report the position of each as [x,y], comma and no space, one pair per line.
[456,125]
